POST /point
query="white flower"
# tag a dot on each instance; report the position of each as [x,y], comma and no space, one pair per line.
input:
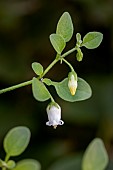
[54,115]
[72,83]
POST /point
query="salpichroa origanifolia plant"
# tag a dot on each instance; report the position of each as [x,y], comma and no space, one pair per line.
[72,88]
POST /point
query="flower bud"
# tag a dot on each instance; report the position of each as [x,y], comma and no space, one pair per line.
[72,83]
[54,115]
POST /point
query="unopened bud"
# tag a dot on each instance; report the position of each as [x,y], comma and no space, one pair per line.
[72,83]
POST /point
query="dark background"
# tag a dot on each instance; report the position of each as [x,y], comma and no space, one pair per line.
[25,26]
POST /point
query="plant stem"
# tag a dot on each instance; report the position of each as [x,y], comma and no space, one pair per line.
[49,67]
[68,52]
[7,157]
[45,72]
[72,69]
[15,86]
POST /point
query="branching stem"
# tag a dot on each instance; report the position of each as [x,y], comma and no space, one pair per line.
[44,73]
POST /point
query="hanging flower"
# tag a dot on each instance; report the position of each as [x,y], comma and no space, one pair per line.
[54,115]
[72,83]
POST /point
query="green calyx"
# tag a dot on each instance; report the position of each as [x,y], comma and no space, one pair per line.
[72,73]
[53,104]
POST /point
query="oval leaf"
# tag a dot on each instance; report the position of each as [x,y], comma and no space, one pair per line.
[28,164]
[39,90]
[78,37]
[16,140]
[11,164]
[37,68]
[57,42]
[65,26]
[47,81]
[92,40]
[95,157]
[83,91]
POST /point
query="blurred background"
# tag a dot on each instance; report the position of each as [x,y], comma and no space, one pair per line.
[25,26]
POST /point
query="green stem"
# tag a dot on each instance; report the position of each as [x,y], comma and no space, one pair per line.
[68,52]
[49,67]
[72,69]
[45,72]
[7,157]
[52,99]
[15,86]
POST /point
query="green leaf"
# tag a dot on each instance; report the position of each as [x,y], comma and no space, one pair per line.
[28,164]
[37,68]
[47,81]
[57,42]
[95,157]
[16,140]
[78,37]
[11,164]
[92,40]
[83,91]
[65,26]
[39,90]
[79,41]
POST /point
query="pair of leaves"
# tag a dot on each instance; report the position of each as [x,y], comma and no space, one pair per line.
[41,93]
[63,34]
[15,142]
[95,157]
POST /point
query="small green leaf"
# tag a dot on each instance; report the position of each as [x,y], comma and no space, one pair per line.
[95,157]
[57,42]
[79,41]
[11,164]
[47,81]
[78,37]
[92,40]
[37,68]
[39,90]
[83,91]
[65,26]
[28,164]
[16,140]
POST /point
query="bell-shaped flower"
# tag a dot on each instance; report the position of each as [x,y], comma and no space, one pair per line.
[72,82]
[54,115]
